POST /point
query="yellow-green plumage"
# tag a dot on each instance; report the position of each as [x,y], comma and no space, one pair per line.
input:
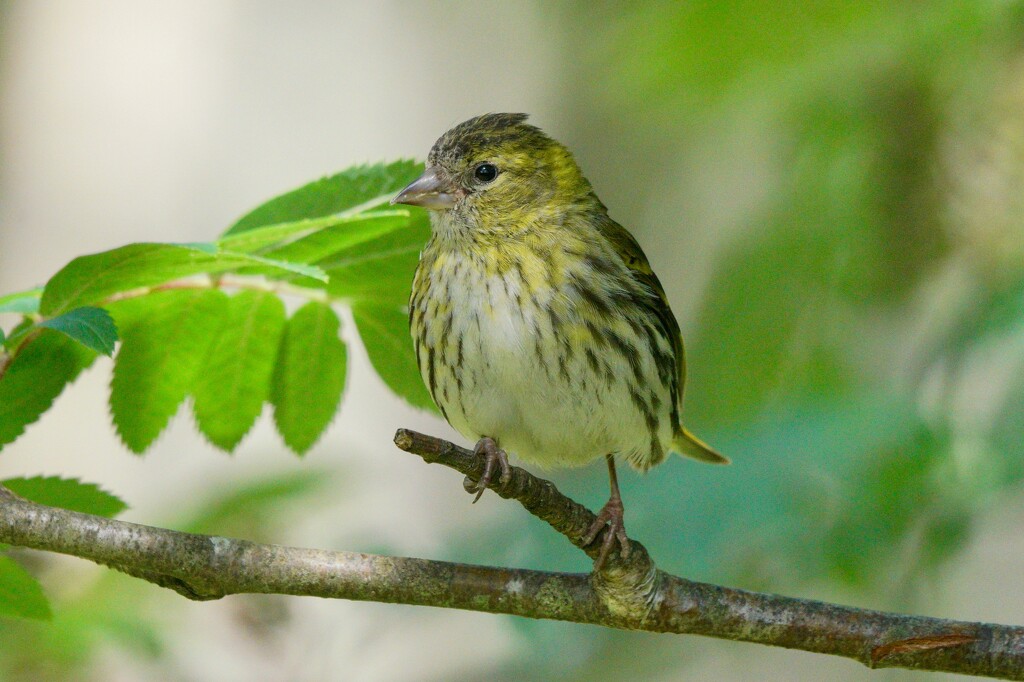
[536,318]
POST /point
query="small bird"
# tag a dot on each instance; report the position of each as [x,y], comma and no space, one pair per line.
[539,327]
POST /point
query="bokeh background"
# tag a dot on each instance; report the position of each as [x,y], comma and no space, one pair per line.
[831,192]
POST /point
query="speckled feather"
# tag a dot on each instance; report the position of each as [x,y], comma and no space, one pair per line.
[536,318]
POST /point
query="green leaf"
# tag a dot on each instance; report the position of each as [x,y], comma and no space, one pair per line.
[235,376]
[275,236]
[337,238]
[21,595]
[381,269]
[67,493]
[24,302]
[92,280]
[208,248]
[309,376]
[385,333]
[92,327]
[274,264]
[35,378]
[18,333]
[360,188]
[162,348]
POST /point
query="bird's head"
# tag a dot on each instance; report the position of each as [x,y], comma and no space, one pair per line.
[495,172]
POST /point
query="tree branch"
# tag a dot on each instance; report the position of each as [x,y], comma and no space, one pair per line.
[631,594]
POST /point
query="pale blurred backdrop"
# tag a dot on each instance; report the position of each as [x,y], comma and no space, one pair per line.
[831,193]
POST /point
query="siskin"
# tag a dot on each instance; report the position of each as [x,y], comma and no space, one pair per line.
[539,327]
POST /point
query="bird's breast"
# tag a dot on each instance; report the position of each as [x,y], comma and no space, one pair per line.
[510,348]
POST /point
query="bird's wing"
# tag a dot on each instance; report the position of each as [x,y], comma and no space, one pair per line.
[633,256]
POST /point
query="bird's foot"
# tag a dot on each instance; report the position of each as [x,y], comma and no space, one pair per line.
[494,457]
[610,517]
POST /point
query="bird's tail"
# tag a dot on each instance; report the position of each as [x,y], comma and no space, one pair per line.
[688,444]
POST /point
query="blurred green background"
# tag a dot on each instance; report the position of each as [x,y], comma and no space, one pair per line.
[831,192]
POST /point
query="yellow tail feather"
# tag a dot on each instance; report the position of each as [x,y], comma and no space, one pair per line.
[688,444]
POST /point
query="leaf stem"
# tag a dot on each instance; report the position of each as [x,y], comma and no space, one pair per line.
[7,357]
[226,282]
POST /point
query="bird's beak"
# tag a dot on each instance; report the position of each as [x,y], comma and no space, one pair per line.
[430,190]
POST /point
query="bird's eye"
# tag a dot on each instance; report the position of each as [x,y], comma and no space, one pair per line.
[486,172]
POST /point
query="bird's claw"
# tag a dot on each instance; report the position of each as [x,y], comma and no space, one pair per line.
[611,518]
[493,456]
